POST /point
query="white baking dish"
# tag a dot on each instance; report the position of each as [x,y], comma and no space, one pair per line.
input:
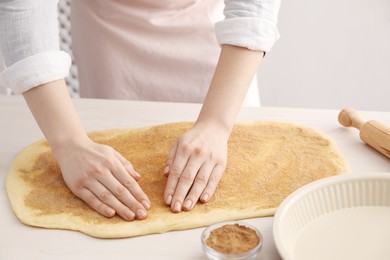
[340,217]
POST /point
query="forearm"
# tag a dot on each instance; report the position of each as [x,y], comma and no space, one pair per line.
[55,114]
[233,75]
[252,25]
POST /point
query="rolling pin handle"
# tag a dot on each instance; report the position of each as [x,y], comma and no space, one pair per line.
[349,117]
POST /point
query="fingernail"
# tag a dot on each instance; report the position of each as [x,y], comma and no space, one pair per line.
[168,200]
[137,174]
[141,214]
[187,204]
[146,204]
[129,215]
[110,212]
[177,207]
[166,170]
[205,197]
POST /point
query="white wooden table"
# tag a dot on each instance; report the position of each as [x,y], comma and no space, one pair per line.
[18,130]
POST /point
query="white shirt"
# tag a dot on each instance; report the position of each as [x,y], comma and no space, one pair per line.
[29,38]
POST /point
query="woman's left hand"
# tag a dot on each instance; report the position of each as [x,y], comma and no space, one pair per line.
[195,165]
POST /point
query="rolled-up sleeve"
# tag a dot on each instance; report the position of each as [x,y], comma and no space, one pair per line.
[29,42]
[250,24]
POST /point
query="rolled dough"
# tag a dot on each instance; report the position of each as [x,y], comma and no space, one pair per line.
[266,162]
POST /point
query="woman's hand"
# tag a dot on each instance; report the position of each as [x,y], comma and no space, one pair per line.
[96,173]
[195,165]
[197,160]
[104,179]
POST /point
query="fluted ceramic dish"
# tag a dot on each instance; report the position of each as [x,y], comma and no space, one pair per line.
[340,217]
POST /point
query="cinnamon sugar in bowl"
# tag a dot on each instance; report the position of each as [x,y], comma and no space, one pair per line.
[231,240]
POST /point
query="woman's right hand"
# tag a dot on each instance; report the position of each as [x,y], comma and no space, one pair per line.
[95,173]
[103,178]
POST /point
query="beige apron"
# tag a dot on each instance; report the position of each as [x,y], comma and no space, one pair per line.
[147,49]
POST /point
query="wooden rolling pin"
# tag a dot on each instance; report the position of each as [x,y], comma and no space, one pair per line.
[372,132]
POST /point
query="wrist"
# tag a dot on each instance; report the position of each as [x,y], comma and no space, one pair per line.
[57,117]
[62,144]
[223,127]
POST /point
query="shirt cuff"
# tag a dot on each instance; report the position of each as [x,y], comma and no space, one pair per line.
[36,70]
[250,32]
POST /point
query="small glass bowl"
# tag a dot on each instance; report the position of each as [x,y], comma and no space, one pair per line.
[212,254]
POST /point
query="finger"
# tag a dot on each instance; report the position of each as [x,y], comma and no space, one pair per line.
[128,166]
[131,185]
[106,197]
[198,186]
[170,158]
[185,182]
[175,172]
[95,203]
[212,184]
[123,195]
